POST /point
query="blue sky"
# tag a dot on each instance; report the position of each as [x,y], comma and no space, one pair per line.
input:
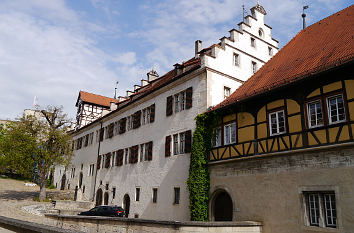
[52,49]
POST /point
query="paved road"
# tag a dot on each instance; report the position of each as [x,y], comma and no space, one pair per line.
[14,195]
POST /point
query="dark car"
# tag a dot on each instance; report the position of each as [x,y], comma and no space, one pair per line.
[104,210]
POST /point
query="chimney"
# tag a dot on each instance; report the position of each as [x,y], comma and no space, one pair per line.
[152,75]
[129,93]
[198,47]
[113,106]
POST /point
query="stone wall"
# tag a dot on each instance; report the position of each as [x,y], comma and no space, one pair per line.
[271,189]
[125,225]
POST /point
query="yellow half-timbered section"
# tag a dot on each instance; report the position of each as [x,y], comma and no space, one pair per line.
[323,115]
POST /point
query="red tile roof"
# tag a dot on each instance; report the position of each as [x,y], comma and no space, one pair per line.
[319,47]
[96,99]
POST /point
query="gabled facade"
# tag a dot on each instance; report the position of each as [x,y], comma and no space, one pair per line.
[283,149]
[137,156]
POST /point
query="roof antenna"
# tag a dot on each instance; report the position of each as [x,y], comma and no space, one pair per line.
[243,13]
[115,90]
[304,16]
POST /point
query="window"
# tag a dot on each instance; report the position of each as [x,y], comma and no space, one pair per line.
[320,209]
[227,91]
[182,145]
[126,156]
[260,32]
[276,123]
[113,193]
[336,112]
[314,114]
[137,194]
[253,42]
[148,115]
[183,100]
[154,195]
[146,154]
[230,133]
[143,119]
[175,144]
[91,170]
[177,192]
[141,152]
[270,51]
[254,67]
[216,140]
[177,103]
[236,59]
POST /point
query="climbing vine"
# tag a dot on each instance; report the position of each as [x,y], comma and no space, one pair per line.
[199,180]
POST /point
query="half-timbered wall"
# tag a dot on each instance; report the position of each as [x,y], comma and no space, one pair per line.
[253,136]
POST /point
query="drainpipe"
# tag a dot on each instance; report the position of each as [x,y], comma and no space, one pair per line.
[98,153]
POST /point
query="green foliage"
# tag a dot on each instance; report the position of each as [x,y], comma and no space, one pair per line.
[199,180]
[36,143]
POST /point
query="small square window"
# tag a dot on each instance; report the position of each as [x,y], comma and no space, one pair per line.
[137,194]
[270,51]
[227,92]
[253,42]
[177,192]
[254,67]
[236,59]
[154,195]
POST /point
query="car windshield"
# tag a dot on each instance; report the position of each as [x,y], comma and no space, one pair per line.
[94,209]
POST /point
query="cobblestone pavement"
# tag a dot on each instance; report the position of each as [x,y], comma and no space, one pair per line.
[14,195]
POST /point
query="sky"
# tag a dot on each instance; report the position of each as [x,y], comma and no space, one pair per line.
[52,49]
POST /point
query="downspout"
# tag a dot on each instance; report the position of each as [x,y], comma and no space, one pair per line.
[98,153]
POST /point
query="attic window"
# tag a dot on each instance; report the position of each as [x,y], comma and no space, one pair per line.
[253,42]
[260,33]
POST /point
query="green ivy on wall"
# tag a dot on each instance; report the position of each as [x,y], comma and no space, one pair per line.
[199,180]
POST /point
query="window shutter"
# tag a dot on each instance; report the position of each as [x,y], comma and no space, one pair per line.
[149,151]
[107,162]
[134,155]
[168,146]
[188,141]
[152,113]
[122,126]
[136,119]
[110,130]
[169,106]
[120,157]
[98,162]
[189,97]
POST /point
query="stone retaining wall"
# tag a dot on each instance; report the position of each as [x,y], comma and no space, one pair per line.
[125,225]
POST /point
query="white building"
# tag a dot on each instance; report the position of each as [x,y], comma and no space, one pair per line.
[137,155]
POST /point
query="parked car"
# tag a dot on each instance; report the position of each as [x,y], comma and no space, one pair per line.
[104,210]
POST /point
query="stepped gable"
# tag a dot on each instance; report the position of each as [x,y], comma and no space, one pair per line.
[96,99]
[319,47]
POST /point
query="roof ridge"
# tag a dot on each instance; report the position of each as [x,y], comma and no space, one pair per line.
[96,94]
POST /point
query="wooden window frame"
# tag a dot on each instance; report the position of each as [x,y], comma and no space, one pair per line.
[224,132]
[269,122]
[227,89]
[214,141]
[328,109]
[308,115]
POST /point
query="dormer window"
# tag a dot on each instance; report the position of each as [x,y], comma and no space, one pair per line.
[253,42]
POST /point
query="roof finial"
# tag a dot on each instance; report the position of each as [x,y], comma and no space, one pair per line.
[115,90]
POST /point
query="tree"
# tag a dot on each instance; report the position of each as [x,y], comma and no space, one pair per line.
[36,143]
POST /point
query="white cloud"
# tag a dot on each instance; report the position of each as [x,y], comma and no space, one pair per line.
[127,58]
[44,58]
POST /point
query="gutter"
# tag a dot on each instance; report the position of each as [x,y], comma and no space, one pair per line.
[98,153]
